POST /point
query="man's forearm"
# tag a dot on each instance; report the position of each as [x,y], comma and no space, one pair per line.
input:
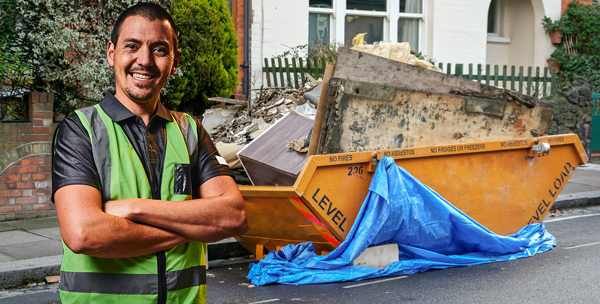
[86,229]
[200,219]
[220,214]
[121,238]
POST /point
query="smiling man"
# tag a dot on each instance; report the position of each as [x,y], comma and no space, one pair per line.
[139,189]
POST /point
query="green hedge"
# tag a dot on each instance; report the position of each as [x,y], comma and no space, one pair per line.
[209,51]
[69,40]
[579,52]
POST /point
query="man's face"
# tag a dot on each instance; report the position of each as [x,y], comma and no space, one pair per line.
[143,59]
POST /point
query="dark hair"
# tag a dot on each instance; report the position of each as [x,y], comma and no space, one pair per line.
[150,11]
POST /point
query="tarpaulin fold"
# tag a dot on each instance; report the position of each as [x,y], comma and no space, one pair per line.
[430,232]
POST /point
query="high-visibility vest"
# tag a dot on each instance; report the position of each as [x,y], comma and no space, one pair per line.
[177,275]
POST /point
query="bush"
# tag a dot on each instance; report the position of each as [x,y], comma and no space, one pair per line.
[579,53]
[70,39]
[319,50]
[18,68]
[208,44]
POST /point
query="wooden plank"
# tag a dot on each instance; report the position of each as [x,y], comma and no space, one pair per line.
[545,86]
[318,125]
[274,75]
[521,79]
[512,78]
[487,74]
[289,82]
[449,69]
[228,100]
[504,72]
[496,75]
[281,78]
[458,69]
[359,66]
[479,70]
[536,92]
[302,78]
[295,69]
[529,69]
[553,81]
[470,71]
[267,72]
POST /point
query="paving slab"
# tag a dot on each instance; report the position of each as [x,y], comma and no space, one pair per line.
[6,227]
[573,187]
[18,237]
[51,233]
[37,223]
[33,249]
[6,258]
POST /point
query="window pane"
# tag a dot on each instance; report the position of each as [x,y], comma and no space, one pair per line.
[411,6]
[367,5]
[408,31]
[318,28]
[492,17]
[355,25]
[321,3]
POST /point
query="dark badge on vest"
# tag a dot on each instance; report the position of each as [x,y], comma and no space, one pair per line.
[183,179]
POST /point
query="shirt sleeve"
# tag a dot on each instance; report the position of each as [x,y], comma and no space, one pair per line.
[72,158]
[207,165]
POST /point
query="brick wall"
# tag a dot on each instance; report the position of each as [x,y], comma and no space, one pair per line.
[565,3]
[25,147]
[237,12]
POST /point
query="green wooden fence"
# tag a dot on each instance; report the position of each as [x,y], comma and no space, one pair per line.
[289,72]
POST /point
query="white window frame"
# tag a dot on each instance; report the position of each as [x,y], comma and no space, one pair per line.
[331,13]
[338,13]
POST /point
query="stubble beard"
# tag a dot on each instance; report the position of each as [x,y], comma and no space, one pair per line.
[139,97]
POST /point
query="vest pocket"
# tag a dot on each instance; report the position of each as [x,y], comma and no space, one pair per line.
[183,179]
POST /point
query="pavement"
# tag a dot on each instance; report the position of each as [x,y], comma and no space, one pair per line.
[32,249]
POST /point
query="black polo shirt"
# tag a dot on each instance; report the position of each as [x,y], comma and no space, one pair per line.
[73,162]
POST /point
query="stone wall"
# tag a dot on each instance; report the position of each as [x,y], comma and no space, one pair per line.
[25,160]
[573,112]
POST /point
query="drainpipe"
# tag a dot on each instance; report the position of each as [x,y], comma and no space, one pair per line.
[246,65]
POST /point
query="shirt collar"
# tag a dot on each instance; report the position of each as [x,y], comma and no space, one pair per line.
[118,112]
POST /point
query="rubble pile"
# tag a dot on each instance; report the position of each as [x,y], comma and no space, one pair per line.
[398,51]
[269,106]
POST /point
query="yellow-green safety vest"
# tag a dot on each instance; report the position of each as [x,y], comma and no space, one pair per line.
[177,275]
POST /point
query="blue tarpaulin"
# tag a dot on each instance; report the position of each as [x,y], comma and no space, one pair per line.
[430,232]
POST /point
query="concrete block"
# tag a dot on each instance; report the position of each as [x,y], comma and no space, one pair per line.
[577,200]
[18,273]
[378,256]
[225,249]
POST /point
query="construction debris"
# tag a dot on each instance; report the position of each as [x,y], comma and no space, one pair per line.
[398,51]
[299,145]
[268,161]
[232,125]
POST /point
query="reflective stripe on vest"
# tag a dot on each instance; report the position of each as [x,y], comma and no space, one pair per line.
[137,280]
